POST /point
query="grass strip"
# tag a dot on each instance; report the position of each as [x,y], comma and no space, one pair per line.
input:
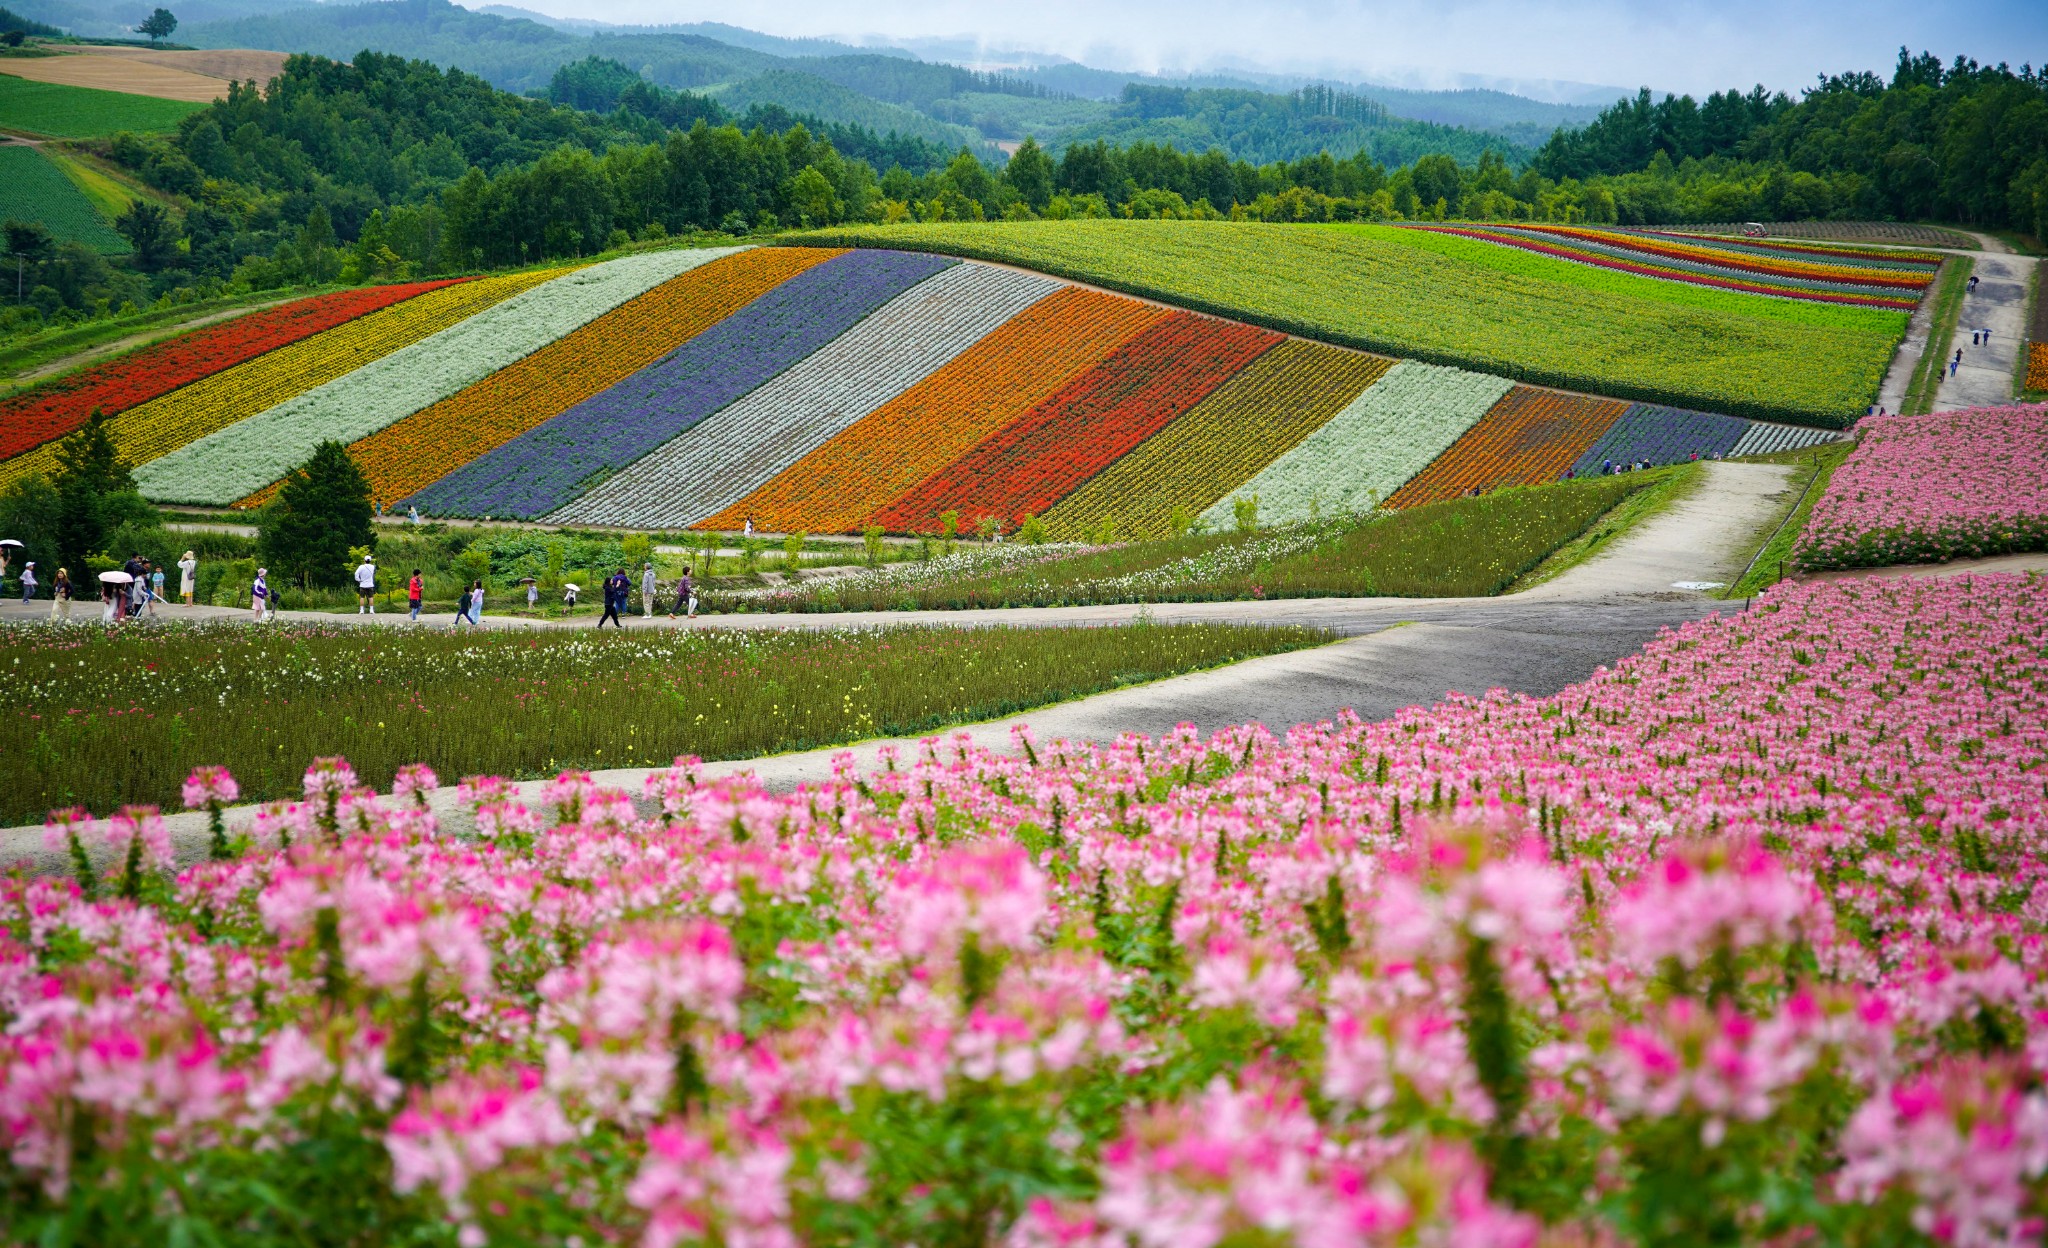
[1461,548]
[1941,330]
[123,716]
[1654,490]
[1768,567]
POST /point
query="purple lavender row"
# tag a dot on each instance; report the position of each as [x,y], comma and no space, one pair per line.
[1661,435]
[555,462]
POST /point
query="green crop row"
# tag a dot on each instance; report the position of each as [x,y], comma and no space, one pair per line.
[64,112]
[33,189]
[1745,355]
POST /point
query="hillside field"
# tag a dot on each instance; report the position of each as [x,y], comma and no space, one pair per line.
[1465,303]
[33,188]
[828,390]
[52,110]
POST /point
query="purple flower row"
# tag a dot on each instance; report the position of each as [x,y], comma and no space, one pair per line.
[555,462]
[1661,435]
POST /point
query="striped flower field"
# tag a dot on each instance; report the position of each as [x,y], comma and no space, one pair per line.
[829,390]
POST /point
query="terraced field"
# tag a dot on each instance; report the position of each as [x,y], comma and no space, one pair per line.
[834,390]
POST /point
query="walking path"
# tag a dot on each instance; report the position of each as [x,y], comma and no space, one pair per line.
[1999,304]
[1397,652]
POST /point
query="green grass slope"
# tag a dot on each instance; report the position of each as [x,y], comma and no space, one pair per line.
[61,112]
[1381,289]
[33,189]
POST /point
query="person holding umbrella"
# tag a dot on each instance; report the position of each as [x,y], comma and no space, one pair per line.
[9,548]
[532,592]
[114,596]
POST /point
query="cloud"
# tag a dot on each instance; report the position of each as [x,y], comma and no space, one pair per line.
[1685,45]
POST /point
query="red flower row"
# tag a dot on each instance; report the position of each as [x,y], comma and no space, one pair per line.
[52,410]
[1088,424]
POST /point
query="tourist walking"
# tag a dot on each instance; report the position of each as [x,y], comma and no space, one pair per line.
[111,596]
[188,577]
[156,588]
[259,594]
[685,600]
[366,587]
[476,605]
[615,591]
[60,596]
[647,591]
[139,595]
[414,588]
[28,581]
[532,594]
[462,608]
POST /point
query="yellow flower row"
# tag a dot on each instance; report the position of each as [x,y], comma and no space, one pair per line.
[162,425]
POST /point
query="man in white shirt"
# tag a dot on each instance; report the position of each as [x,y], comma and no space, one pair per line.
[366,588]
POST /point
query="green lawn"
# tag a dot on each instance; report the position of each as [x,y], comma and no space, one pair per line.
[1411,295]
[60,112]
[34,189]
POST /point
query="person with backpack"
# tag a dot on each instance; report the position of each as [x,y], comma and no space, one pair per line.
[616,589]
[188,572]
[259,594]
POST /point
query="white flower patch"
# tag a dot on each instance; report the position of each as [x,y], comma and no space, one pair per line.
[244,457]
[1371,448]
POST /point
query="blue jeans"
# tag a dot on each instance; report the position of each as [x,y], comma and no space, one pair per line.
[415,608]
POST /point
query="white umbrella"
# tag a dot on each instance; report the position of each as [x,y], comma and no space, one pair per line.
[116,578]
[8,541]
[576,588]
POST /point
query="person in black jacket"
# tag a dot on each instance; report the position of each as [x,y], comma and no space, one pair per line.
[617,590]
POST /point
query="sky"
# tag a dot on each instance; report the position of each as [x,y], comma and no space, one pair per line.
[1678,45]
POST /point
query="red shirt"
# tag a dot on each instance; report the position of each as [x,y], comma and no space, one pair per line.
[412,589]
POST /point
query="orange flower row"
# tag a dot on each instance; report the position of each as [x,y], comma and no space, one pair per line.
[1530,436]
[839,486]
[435,441]
[2037,366]
[1250,421]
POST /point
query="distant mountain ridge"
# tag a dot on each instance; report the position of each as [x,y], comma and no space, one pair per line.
[1254,116]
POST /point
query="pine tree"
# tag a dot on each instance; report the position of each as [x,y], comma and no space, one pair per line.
[321,510]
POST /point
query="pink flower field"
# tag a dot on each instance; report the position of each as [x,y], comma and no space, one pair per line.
[1924,489]
[1739,942]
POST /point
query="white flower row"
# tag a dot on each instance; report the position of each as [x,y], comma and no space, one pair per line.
[1371,448]
[234,462]
[734,452]
[1762,438]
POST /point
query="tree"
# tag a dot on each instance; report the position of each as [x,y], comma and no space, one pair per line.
[1030,173]
[29,242]
[147,227]
[159,25]
[95,494]
[321,510]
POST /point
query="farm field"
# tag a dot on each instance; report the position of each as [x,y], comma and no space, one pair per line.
[388,698]
[191,76]
[34,189]
[1455,301]
[1686,919]
[825,390]
[54,110]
